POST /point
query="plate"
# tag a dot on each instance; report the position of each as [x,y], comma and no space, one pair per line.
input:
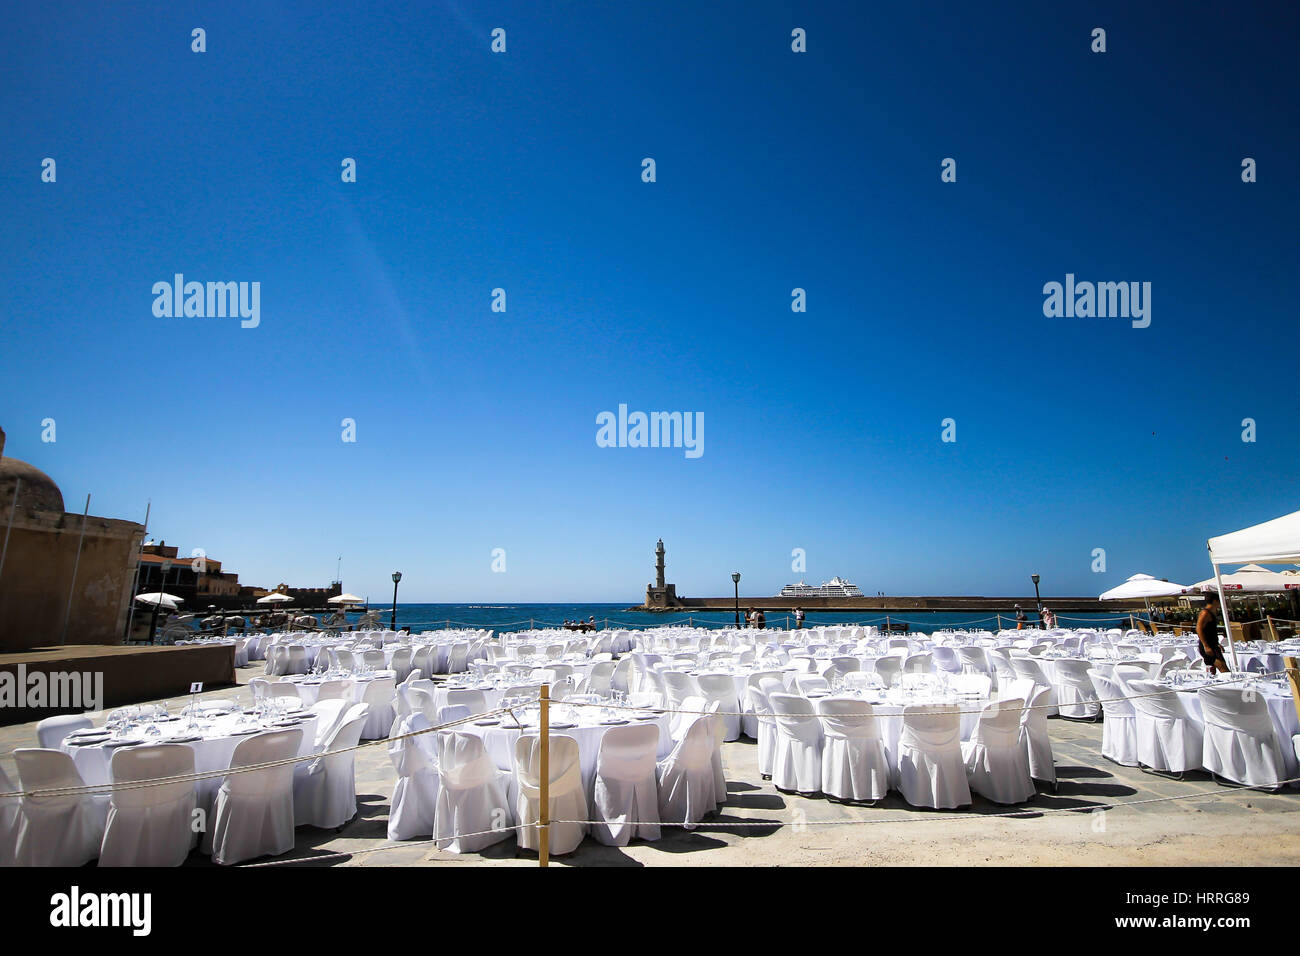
[124,743]
[614,720]
[562,725]
[246,730]
[85,741]
[90,732]
[184,739]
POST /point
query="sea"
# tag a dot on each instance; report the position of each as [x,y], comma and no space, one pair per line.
[520,617]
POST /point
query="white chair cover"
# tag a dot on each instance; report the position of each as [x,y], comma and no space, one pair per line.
[797,763]
[686,782]
[10,818]
[566,798]
[1034,736]
[1168,738]
[325,790]
[151,826]
[626,797]
[854,763]
[931,772]
[254,809]
[1240,743]
[61,830]
[997,766]
[473,796]
[721,689]
[379,696]
[1075,696]
[51,731]
[415,796]
[1119,732]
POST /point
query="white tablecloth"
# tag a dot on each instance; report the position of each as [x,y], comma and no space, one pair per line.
[213,752]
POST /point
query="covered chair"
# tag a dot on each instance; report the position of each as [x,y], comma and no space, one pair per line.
[931,771]
[797,762]
[1035,738]
[329,714]
[626,797]
[1240,743]
[254,809]
[51,731]
[854,764]
[888,669]
[686,783]
[473,797]
[749,723]
[567,800]
[1168,739]
[379,696]
[415,795]
[997,766]
[1119,731]
[1075,695]
[325,789]
[150,826]
[55,830]
[10,817]
[720,689]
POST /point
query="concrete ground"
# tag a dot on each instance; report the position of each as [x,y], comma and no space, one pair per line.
[1209,825]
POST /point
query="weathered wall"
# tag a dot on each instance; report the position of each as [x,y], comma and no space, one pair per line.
[37,578]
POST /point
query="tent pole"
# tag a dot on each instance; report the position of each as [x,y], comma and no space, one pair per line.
[1223,603]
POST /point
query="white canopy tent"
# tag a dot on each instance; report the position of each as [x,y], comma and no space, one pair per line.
[1252,579]
[1273,542]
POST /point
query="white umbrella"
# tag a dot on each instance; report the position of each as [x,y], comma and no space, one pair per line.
[274,597]
[1142,586]
[345,599]
[159,599]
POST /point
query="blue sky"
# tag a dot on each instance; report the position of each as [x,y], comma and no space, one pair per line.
[476,430]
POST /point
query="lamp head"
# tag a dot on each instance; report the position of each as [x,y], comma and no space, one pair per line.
[397,576]
[735,577]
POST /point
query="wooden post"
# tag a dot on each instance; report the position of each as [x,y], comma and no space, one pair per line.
[999,622]
[544,814]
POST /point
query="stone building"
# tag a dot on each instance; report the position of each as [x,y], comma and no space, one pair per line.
[64,579]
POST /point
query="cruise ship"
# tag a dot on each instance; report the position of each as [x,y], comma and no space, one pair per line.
[835,587]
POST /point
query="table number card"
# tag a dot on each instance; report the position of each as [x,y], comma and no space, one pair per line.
[196,687]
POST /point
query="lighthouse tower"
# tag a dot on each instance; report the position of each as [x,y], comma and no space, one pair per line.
[660,596]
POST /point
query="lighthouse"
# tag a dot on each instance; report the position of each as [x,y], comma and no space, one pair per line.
[661,595]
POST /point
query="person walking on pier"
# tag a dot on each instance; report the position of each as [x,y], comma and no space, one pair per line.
[798,618]
[1020,618]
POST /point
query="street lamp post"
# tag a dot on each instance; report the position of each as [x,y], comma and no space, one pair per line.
[1037,600]
[392,622]
[735,579]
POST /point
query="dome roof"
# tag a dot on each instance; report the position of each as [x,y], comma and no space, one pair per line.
[37,490]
